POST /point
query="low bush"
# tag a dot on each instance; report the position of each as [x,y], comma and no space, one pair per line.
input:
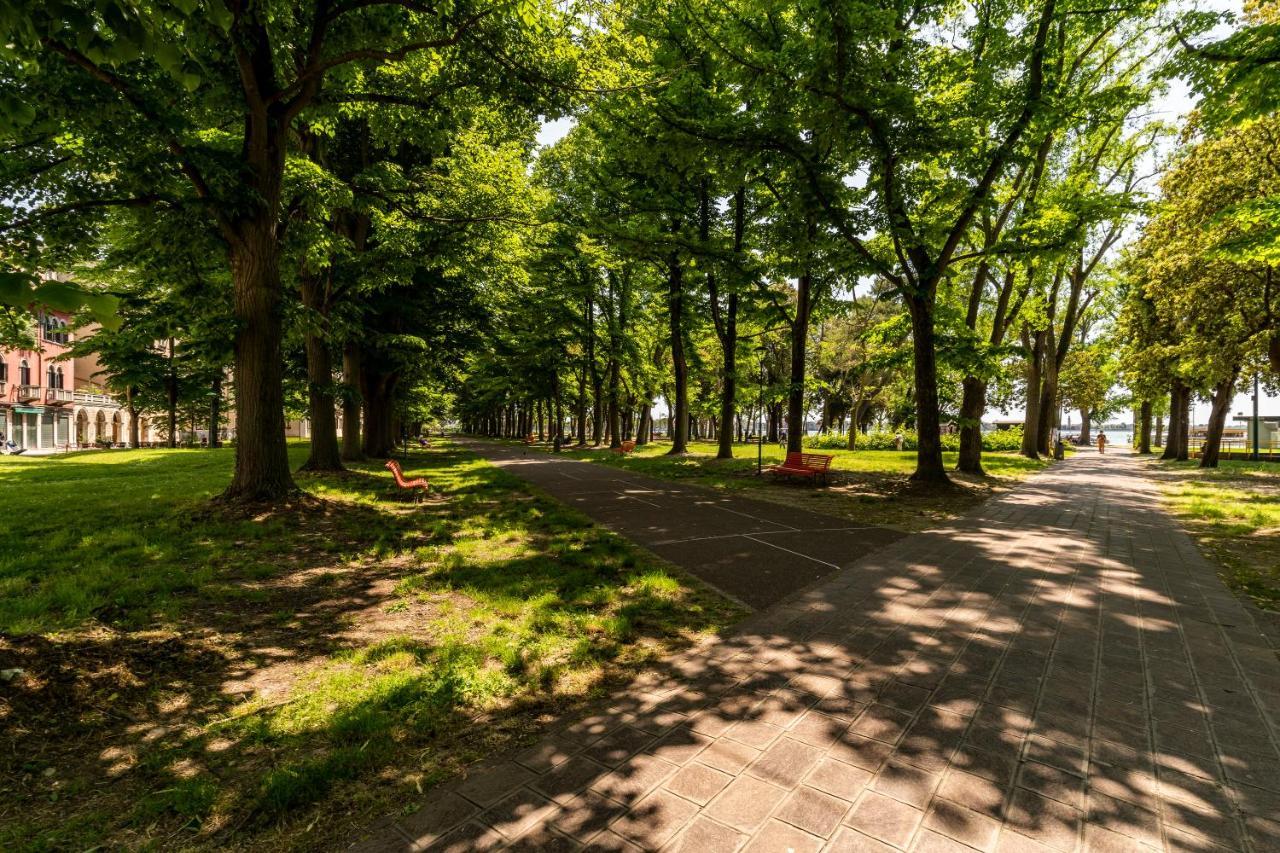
[997,441]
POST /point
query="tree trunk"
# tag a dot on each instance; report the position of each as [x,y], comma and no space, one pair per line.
[171,398]
[324,455]
[352,446]
[973,403]
[1144,428]
[262,456]
[379,415]
[929,467]
[135,437]
[215,411]
[1031,420]
[1159,439]
[1184,425]
[582,407]
[1086,426]
[1223,393]
[1171,441]
[799,338]
[679,423]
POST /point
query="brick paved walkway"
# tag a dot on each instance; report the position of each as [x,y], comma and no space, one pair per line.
[1059,671]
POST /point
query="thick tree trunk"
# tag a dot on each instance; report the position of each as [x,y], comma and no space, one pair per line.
[352,446]
[973,403]
[1159,438]
[1144,427]
[135,438]
[1171,442]
[325,455]
[1086,426]
[679,424]
[615,412]
[1031,420]
[799,339]
[379,414]
[581,428]
[929,467]
[1223,393]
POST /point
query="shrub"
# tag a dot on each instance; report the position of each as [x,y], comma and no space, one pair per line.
[994,442]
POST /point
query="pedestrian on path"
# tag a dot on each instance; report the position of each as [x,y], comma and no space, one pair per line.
[1102,442]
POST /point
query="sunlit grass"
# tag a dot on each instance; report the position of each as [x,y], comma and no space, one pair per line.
[1234,511]
[870,485]
[507,608]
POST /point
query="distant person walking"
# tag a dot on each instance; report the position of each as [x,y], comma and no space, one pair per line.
[1102,442]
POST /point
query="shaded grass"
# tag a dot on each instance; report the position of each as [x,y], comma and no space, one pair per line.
[1234,512]
[384,645]
[870,486]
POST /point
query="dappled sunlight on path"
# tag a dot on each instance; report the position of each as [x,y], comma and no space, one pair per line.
[1061,670]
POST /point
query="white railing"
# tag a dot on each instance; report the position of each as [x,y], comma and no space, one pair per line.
[90,398]
[59,395]
[28,392]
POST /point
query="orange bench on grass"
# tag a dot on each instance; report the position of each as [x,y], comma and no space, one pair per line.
[529,439]
[812,465]
[412,485]
[627,447]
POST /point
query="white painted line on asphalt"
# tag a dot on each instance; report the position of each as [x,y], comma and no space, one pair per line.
[789,551]
[745,514]
[754,533]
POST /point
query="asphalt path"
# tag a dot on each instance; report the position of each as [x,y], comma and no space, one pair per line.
[756,552]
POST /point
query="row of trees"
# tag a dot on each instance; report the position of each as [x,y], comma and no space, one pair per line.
[912,236]
[882,211]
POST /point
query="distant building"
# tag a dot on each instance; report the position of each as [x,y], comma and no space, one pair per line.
[49,401]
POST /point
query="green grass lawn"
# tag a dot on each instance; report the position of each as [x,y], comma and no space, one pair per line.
[868,485]
[193,680]
[1234,512]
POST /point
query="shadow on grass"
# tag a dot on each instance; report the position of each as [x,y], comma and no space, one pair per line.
[374,634]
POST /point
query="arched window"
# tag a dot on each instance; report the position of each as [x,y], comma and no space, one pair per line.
[51,378]
[24,373]
[58,378]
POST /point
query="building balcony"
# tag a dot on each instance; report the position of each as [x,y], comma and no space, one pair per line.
[92,398]
[58,396]
[27,393]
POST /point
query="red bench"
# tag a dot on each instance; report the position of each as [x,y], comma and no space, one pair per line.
[412,485]
[627,447]
[811,465]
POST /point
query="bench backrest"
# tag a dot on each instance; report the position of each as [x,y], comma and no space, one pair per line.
[815,461]
[394,467]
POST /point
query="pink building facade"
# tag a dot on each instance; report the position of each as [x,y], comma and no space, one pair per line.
[50,402]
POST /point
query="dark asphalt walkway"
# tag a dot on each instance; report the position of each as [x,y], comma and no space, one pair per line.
[756,552]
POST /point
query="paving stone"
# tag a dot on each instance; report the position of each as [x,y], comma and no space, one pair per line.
[442,812]
[728,756]
[777,835]
[882,723]
[567,780]
[1050,822]
[785,763]
[473,837]
[698,783]
[519,813]
[706,836]
[851,841]
[745,803]
[961,824]
[907,783]
[839,779]
[973,792]
[617,746]
[634,779]
[885,818]
[813,811]
[1052,782]
[487,785]
[679,745]
[543,839]
[587,815]
[929,841]
[655,819]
